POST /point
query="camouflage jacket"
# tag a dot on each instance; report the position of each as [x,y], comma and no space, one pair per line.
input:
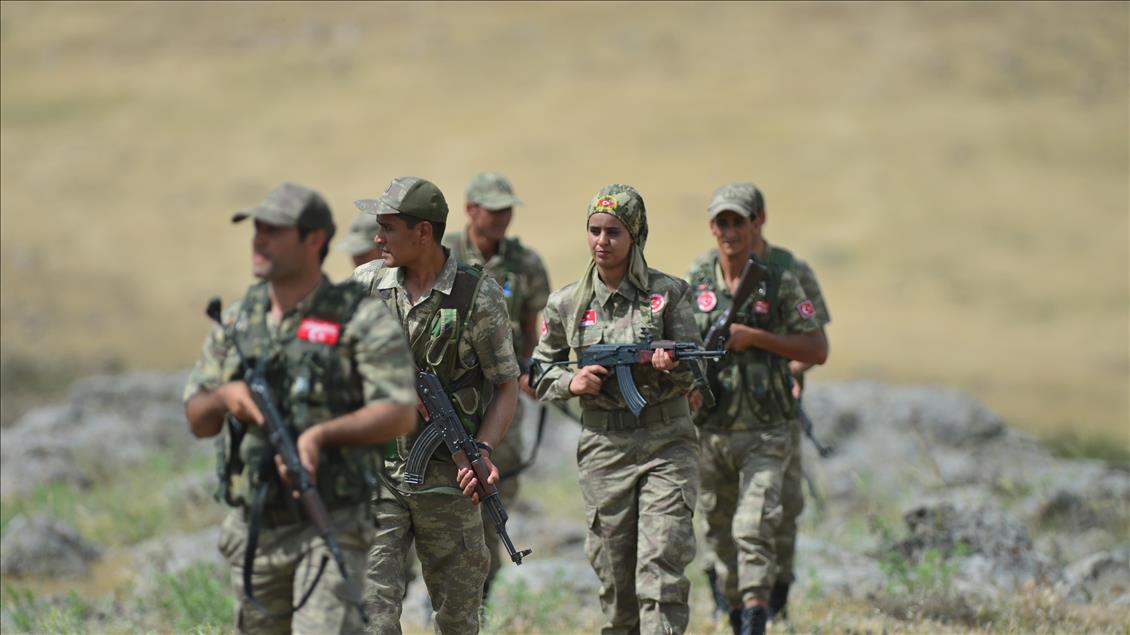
[485,344]
[618,316]
[519,271]
[751,387]
[332,354]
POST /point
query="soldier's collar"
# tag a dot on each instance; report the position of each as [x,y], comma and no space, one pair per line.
[602,293]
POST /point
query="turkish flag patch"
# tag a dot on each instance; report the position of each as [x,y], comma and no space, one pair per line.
[806,309]
[657,302]
[761,306]
[590,318]
[544,328]
[319,331]
[706,301]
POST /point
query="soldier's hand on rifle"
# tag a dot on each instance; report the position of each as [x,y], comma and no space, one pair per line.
[742,337]
[239,403]
[470,482]
[309,445]
[661,359]
[524,386]
[588,380]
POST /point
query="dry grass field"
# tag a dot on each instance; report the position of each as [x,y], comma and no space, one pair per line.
[956,173]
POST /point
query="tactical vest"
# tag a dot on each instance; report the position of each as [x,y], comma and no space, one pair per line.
[754,376]
[513,283]
[312,382]
[435,347]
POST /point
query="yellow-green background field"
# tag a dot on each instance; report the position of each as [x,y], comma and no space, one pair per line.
[956,173]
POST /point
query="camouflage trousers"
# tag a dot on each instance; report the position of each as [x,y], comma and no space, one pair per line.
[792,504]
[639,486]
[448,534]
[286,562]
[742,472]
[507,456]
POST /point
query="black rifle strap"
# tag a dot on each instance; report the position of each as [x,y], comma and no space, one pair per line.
[266,467]
[543,411]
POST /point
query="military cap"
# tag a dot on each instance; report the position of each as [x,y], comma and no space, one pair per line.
[742,197]
[410,196]
[360,237]
[492,191]
[292,205]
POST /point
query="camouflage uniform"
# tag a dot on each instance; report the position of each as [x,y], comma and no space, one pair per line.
[525,286]
[314,380]
[744,437]
[639,476]
[446,527]
[792,492]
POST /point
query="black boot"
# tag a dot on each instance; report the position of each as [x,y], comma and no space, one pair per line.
[779,601]
[736,621]
[753,620]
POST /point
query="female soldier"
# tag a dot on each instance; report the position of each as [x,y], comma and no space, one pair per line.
[639,475]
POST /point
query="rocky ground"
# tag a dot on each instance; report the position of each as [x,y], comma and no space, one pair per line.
[929,514]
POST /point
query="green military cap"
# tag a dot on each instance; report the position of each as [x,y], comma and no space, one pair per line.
[492,191]
[292,205]
[360,237]
[411,196]
[742,197]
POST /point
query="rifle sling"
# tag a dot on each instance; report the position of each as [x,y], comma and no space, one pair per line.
[253,522]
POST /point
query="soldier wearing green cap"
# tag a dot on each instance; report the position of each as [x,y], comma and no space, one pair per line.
[490,203]
[359,242]
[339,365]
[457,325]
[639,474]
[746,436]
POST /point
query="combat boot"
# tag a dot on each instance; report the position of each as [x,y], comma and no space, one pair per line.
[779,601]
[736,621]
[753,620]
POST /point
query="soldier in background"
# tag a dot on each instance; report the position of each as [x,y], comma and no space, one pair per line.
[358,243]
[457,326]
[490,203]
[639,474]
[306,327]
[746,435]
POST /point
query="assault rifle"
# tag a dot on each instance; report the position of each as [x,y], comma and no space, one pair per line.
[446,427]
[752,275]
[806,425]
[281,442]
[621,358]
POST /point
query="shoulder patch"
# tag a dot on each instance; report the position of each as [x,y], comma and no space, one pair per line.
[590,318]
[658,301]
[805,309]
[319,331]
[706,301]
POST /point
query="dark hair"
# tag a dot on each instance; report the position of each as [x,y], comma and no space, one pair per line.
[437,228]
[303,232]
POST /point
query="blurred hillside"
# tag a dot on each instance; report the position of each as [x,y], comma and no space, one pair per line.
[956,173]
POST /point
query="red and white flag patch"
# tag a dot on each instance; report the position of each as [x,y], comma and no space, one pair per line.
[806,309]
[544,328]
[706,301]
[761,306]
[590,318]
[658,302]
[319,331]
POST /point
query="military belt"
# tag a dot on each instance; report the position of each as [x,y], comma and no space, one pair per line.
[616,420]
